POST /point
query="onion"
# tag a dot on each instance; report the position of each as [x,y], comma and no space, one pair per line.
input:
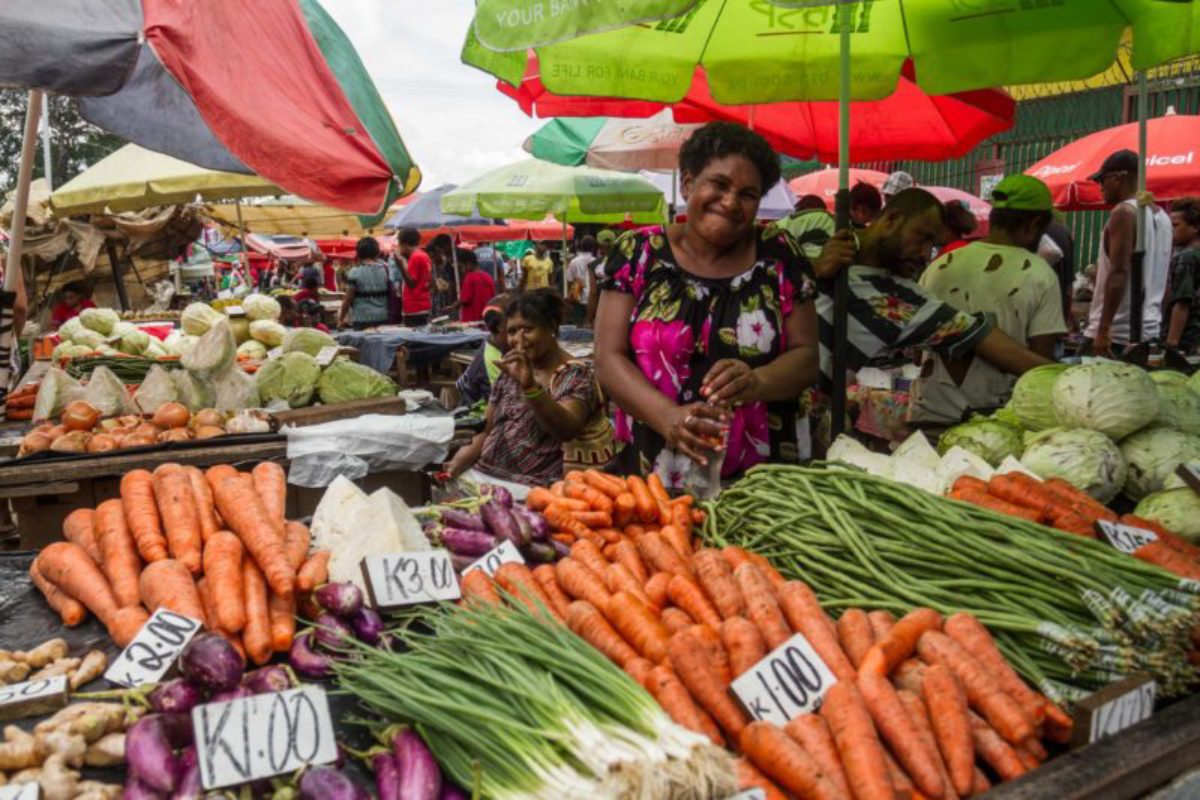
[55,432]
[34,442]
[175,435]
[102,443]
[208,431]
[148,429]
[108,425]
[138,440]
[73,442]
[208,418]
[80,416]
[45,428]
[171,415]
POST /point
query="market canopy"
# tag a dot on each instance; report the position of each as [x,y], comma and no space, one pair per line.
[294,216]
[133,178]
[611,142]
[426,212]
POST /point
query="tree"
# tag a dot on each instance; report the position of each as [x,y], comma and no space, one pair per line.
[75,144]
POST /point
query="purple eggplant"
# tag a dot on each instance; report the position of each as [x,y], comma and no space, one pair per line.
[332,633]
[466,542]
[306,661]
[540,528]
[274,678]
[175,696]
[178,728]
[387,776]
[541,552]
[189,787]
[454,518]
[149,755]
[137,790]
[561,549]
[326,783]
[342,599]
[368,625]
[462,562]
[451,791]
[236,693]
[498,493]
[502,523]
[211,663]
[420,776]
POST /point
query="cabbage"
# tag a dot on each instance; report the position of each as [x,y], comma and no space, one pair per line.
[1161,376]
[212,353]
[1179,407]
[106,392]
[57,389]
[344,380]
[1114,399]
[291,378]
[68,329]
[268,332]
[241,329]
[193,391]
[100,320]
[1152,456]
[88,338]
[1177,510]
[197,318]
[1031,397]
[154,349]
[235,390]
[261,306]
[252,349]
[69,350]
[122,328]
[307,340]
[1193,382]
[990,439]
[156,389]
[134,343]
[1084,458]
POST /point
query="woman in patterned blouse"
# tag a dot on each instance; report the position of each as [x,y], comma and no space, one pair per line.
[706,333]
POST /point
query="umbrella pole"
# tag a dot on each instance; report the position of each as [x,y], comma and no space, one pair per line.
[674,193]
[454,264]
[14,276]
[564,255]
[1137,272]
[841,290]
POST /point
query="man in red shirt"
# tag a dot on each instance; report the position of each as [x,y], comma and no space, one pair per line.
[416,271]
[477,288]
[76,296]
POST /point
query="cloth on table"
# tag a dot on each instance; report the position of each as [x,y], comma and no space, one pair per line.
[377,348]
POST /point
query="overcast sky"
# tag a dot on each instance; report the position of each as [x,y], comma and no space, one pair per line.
[454,122]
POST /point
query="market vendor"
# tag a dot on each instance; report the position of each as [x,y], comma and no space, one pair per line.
[416,272]
[477,288]
[1181,306]
[546,413]
[706,331]
[476,382]
[76,296]
[367,288]
[537,268]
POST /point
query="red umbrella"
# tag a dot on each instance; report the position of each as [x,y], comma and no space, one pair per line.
[1172,166]
[908,124]
[824,183]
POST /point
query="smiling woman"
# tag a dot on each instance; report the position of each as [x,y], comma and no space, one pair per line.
[706,333]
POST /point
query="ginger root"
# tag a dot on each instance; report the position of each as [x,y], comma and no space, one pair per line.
[71,746]
[45,653]
[62,666]
[106,751]
[94,790]
[93,666]
[57,781]
[20,750]
[89,720]
[13,671]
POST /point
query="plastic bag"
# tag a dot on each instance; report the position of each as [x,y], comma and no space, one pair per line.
[106,392]
[57,389]
[213,352]
[193,391]
[235,390]
[156,389]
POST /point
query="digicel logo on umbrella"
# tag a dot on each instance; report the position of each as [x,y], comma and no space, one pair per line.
[1152,160]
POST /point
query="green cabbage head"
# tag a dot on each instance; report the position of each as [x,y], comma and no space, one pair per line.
[343,380]
[1031,397]
[990,439]
[1086,459]
[291,378]
[1114,399]
[1179,407]
[197,318]
[1177,510]
[1152,455]
[100,320]
[307,340]
[1161,376]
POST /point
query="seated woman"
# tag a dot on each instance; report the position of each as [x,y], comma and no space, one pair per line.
[706,333]
[546,413]
[475,384]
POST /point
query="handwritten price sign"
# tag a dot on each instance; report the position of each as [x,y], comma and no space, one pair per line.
[790,681]
[497,557]
[405,579]
[30,698]
[154,650]
[1125,538]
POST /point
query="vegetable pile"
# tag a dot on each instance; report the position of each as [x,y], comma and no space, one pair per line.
[471,527]
[19,403]
[341,619]
[49,659]
[81,734]
[81,429]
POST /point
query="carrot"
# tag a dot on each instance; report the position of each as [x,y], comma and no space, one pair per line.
[997,753]
[736,556]
[71,569]
[270,484]
[79,527]
[744,644]
[857,742]
[569,504]
[638,625]
[624,508]
[919,714]
[518,580]
[983,692]
[69,609]
[1163,555]
[804,615]
[678,539]
[223,571]
[698,516]
[660,556]
[681,519]
[761,606]
[975,639]
[662,500]
[181,520]
[588,554]
[119,559]
[987,501]
[1078,498]
[477,586]
[206,601]
[593,519]
[544,575]
[634,531]
[711,639]
[256,635]
[243,512]
[639,669]
[556,488]
[881,622]
[596,499]
[786,762]
[281,613]
[539,498]
[647,508]
[169,584]
[715,577]
[561,519]
[611,536]
[627,554]
[969,483]
[1028,754]
[314,572]
[1059,724]
[812,733]
[619,579]
[897,728]
[679,705]
[749,777]
[901,785]
[899,643]
[215,474]
[1172,540]
[910,675]
[564,538]
[855,634]
[579,582]
[610,485]
[691,661]
[296,541]
[688,595]
[981,785]
[656,588]
[1022,490]
[589,624]
[141,514]
[205,509]
[676,619]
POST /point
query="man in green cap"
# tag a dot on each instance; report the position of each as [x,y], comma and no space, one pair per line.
[1002,278]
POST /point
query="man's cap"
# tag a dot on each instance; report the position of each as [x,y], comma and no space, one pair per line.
[1120,161]
[897,182]
[605,237]
[1022,193]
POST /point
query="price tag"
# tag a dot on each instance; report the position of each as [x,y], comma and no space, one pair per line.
[790,681]
[504,553]
[235,311]
[1190,474]
[21,791]
[405,579]
[275,352]
[1125,538]
[28,699]
[1114,708]
[257,737]
[326,355]
[154,650]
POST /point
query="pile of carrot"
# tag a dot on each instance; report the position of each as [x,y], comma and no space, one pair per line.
[19,403]
[922,707]
[214,545]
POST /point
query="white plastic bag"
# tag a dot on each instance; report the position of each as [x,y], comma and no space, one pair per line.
[156,389]
[370,443]
[194,392]
[235,390]
[57,389]
[106,393]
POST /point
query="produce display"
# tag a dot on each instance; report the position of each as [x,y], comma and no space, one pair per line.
[18,405]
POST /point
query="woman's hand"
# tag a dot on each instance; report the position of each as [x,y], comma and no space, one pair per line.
[839,252]
[515,365]
[694,428]
[460,463]
[731,382]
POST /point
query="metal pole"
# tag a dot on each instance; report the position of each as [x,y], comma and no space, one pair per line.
[1137,270]
[564,255]
[841,290]
[13,277]
[46,161]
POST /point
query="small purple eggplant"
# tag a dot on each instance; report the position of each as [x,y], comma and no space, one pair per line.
[236,693]
[462,562]
[497,493]
[149,754]
[274,678]
[306,661]
[189,787]
[502,523]
[387,775]
[175,696]
[420,776]
[466,542]
[537,523]
[211,663]
[342,599]
[138,790]
[326,783]
[451,791]
[178,728]
[541,552]
[368,625]
[561,549]
[454,518]
[332,633]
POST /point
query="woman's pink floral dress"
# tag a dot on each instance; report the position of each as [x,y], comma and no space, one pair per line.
[682,324]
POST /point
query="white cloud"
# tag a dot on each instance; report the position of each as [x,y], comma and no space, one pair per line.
[454,122]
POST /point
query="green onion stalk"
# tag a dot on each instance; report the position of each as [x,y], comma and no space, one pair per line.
[1070,613]
[515,704]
